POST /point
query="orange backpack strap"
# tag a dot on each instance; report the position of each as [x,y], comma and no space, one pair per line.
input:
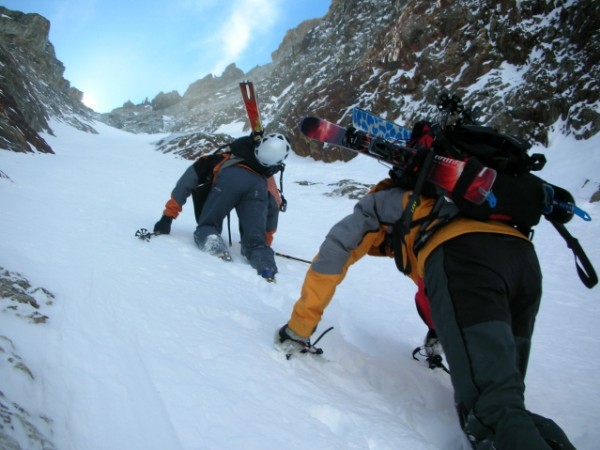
[272,187]
[207,168]
[228,161]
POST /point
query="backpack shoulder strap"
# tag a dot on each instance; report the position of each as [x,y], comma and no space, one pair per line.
[205,165]
[228,161]
[585,270]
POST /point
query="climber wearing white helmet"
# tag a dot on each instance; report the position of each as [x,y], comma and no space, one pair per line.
[239,177]
[272,150]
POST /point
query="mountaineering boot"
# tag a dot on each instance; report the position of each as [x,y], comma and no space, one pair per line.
[268,275]
[291,343]
[432,351]
[432,344]
[225,256]
[215,245]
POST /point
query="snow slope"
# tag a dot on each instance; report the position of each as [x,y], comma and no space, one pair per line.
[155,345]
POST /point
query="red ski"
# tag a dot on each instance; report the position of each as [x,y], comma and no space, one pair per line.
[444,173]
[251,104]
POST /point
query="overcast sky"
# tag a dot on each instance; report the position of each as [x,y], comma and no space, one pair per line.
[115,50]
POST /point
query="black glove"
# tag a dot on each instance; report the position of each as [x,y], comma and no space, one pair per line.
[163,226]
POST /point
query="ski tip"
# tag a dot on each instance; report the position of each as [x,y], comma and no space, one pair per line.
[308,119]
[308,123]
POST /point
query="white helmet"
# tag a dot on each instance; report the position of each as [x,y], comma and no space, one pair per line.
[272,150]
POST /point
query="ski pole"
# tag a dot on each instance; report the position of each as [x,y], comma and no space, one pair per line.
[144,234]
[293,257]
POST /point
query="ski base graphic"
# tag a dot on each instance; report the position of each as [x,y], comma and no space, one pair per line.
[379,127]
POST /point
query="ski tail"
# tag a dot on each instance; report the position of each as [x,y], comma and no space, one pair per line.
[251,105]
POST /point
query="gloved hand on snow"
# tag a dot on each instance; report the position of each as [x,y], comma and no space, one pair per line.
[163,226]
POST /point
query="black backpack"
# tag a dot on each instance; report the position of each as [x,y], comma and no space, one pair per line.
[206,167]
[520,198]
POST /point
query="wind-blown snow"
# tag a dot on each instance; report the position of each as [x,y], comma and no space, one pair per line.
[158,346]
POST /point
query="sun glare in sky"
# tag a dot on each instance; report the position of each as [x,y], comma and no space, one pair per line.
[90,101]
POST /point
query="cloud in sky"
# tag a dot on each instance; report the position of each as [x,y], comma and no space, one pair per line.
[236,32]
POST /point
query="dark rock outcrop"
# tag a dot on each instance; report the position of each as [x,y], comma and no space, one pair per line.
[32,86]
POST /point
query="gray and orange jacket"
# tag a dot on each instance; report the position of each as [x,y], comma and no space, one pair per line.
[368,231]
[205,170]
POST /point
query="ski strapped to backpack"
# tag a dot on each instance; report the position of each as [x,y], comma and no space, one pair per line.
[253,113]
[208,166]
[251,105]
[520,198]
[447,162]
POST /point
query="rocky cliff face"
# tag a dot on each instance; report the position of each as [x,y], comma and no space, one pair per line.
[397,64]
[525,65]
[32,87]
